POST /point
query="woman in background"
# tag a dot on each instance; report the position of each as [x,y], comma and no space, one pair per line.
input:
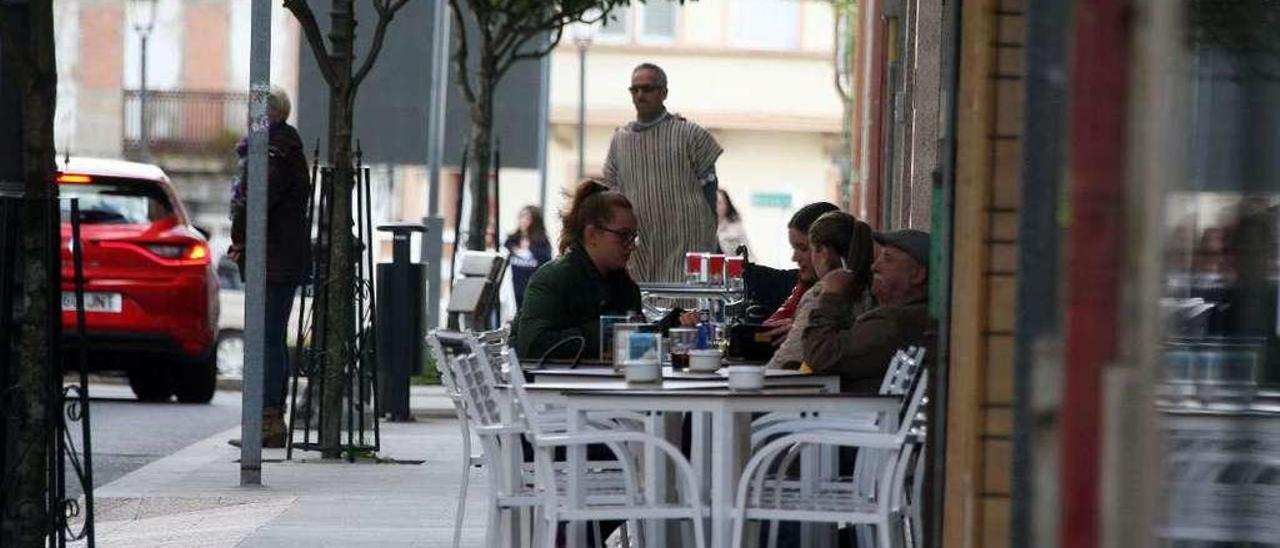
[529,248]
[729,229]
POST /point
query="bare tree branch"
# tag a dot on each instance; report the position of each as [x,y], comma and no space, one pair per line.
[459,57]
[555,23]
[311,29]
[386,12]
[531,55]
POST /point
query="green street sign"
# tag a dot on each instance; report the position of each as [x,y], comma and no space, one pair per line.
[780,200]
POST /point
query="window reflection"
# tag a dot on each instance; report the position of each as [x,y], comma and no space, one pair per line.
[1221,396]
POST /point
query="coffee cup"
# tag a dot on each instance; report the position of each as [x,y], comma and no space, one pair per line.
[704,359]
[746,378]
[642,370]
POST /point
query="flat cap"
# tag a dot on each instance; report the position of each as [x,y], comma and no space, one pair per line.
[914,242]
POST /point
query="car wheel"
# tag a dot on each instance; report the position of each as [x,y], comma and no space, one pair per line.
[196,380]
[231,354]
[150,384]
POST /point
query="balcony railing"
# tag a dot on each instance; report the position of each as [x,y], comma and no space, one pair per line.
[185,122]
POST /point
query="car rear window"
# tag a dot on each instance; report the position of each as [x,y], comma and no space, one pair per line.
[116,201]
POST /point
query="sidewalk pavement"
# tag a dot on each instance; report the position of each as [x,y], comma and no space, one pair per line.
[425,401]
[192,498]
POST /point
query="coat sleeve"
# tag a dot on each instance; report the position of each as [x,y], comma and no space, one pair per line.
[822,338]
[703,152]
[610,174]
[791,353]
[537,330]
[860,350]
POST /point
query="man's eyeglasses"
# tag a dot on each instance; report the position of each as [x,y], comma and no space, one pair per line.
[643,89]
[628,238]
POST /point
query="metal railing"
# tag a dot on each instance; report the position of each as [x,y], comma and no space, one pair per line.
[185,122]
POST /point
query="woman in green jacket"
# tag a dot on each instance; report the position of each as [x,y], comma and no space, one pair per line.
[567,296]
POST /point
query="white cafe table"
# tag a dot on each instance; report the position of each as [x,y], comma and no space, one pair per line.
[592,376]
[721,428]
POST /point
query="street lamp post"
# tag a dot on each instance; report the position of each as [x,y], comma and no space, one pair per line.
[144,14]
[583,35]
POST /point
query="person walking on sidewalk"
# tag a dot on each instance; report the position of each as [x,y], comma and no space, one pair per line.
[288,254]
[666,166]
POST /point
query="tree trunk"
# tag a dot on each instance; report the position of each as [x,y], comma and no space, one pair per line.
[29,415]
[481,149]
[340,295]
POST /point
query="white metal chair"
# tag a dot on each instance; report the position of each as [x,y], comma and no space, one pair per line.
[902,370]
[442,350]
[902,373]
[475,289]
[466,367]
[561,503]
[873,496]
[499,423]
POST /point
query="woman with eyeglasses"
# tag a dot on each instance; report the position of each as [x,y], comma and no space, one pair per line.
[566,297]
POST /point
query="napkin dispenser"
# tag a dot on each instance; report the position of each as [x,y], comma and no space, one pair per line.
[748,342]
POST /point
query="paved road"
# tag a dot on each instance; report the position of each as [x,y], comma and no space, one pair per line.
[128,434]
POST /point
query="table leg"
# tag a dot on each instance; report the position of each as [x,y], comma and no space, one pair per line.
[701,450]
[655,475]
[729,438]
[814,467]
[509,481]
[576,459]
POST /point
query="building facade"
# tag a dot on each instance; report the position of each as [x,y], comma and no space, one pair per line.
[197,77]
[759,74]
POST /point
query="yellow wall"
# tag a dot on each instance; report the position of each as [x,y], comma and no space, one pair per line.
[989,155]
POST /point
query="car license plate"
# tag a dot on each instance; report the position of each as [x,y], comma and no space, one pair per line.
[93,302]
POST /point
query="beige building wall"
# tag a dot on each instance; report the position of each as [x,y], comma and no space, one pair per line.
[203,46]
[96,80]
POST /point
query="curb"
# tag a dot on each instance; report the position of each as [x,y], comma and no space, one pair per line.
[433,413]
[223,383]
[236,385]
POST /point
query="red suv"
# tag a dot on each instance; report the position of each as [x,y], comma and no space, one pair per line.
[151,294]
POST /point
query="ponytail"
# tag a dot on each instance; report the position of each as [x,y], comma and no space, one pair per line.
[861,251]
[591,203]
[848,237]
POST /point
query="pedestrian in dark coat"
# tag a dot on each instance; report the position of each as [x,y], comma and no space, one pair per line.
[288,252]
[529,249]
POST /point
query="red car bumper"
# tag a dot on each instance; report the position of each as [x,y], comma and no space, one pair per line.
[175,314]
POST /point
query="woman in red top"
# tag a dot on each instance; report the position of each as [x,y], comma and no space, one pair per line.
[798,236]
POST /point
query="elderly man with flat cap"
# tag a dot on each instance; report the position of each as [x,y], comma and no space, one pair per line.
[859,349]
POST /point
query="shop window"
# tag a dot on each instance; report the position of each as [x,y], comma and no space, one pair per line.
[765,24]
[616,27]
[657,21]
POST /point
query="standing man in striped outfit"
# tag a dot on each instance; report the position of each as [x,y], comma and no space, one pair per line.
[666,166]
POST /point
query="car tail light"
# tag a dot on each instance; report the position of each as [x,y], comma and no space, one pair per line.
[168,251]
[74,178]
[194,252]
[197,252]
